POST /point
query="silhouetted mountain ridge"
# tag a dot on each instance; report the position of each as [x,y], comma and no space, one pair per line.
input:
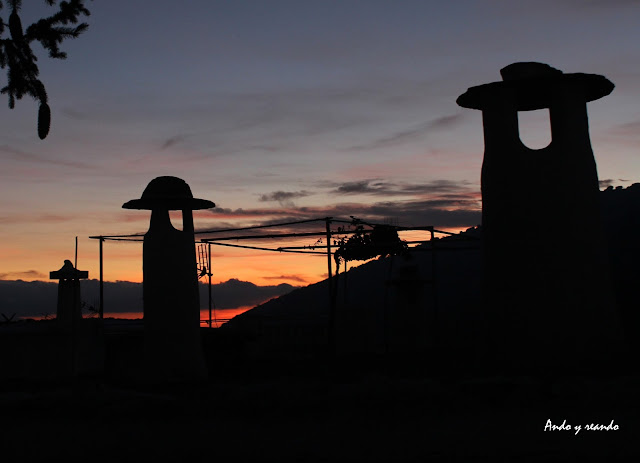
[458,275]
[39,298]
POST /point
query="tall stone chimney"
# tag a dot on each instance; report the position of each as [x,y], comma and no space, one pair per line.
[173,348]
[548,300]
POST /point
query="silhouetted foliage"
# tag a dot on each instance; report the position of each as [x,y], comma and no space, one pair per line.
[382,240]
[92,309]
[16,53]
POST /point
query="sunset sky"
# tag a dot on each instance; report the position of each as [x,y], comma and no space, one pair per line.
[280,110]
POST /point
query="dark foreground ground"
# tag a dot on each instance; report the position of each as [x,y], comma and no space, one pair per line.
[294,412]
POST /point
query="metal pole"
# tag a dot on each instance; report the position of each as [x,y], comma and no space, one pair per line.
[101,281]
[74,283]
[434,288]
[75,287]
[328,224]
[209,262]
[332,306]
[76,304]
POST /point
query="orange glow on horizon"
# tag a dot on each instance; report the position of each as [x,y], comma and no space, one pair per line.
[122,261]
[218,316]
[221,315]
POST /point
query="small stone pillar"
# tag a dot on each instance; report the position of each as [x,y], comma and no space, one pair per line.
[548,300]
[69,304]
[173,347]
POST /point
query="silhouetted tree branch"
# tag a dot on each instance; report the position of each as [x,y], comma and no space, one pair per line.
[16,53]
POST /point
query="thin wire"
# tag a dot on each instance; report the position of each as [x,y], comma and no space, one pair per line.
[282,224]
[119,238]
[258,226]
[116,237]
[264,249]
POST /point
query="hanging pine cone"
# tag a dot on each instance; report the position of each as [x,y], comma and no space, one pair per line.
[16,52]
[44,120]
[15,26]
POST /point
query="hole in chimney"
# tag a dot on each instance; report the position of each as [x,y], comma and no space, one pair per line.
[176,219]
[535,128]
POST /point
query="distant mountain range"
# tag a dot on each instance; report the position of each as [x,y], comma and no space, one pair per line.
[39,298]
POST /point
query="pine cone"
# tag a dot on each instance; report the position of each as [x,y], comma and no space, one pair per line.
[15,26]
[44,120]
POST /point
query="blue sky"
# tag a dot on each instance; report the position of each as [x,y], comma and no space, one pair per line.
[290,108]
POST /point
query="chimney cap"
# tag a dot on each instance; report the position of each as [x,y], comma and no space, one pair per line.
[534,86]
[170,193]
[68,272]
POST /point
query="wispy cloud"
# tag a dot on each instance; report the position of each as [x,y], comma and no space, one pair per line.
[446,122]
[36,218]
[410,134]
[171,141]
[629,129]
[29,274]
[179,138]
[72,113]
[23,156]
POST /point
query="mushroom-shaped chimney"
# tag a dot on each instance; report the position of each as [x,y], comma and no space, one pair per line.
[171,300]
[546,284]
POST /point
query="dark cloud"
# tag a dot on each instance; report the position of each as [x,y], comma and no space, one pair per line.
[611,182]
[410,134]
[285,198]
[438,212]
[362,186]
[38,298]
[441,203]
[297,278]
[445,211]
[383,188]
